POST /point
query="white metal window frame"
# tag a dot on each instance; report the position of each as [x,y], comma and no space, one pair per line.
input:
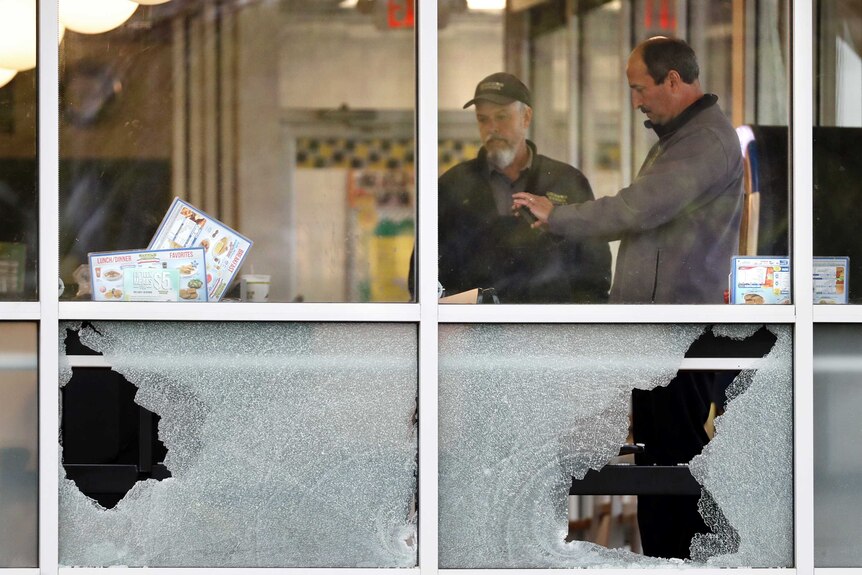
[49,311]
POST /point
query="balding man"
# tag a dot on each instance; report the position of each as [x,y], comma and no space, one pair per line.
[678,221]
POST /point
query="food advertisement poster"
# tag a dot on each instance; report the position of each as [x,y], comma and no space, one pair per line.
[185,226]
[760,280]
[830,280]
[381,221]
[149,275]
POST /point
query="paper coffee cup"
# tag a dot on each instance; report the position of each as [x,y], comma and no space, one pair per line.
[254,287]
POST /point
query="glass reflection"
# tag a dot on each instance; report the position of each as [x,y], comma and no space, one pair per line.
[289,122]
[673,218]
[837,146]
[18,204]
[19,463]
[837,460]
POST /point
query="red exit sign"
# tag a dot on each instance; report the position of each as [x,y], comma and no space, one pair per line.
[400,14]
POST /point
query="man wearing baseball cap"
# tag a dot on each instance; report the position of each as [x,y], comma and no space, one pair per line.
[481,244]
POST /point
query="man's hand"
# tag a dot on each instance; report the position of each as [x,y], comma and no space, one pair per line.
[539,206]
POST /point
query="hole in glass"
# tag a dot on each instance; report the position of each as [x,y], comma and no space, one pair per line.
[670,425]
[109,441]
[524,409]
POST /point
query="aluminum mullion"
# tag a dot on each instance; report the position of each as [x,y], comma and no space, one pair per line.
[48,131]
[223,311]
[604,314]
[231,571]
[837,313]
[802,121]
[426,177]
[19,311]
[626,571]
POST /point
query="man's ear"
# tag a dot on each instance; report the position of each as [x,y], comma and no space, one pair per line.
[674,79]
[528,116]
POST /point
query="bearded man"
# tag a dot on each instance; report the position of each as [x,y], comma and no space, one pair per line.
[482,244]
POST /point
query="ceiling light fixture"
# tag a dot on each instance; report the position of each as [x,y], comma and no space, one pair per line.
[95,16]
[6,76]
[486,5]
[17,34]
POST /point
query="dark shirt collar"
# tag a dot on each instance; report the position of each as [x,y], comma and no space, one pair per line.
[701,104]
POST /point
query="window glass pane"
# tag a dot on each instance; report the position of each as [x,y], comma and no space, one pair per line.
[837,461]
[837,145]
[289,122]
[19,461]
[19,216]
[239,445]
[563,125]
[531,413]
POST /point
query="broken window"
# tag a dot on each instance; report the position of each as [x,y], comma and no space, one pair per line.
[526,411]
[288,445]
[837,434]
[19,460]
[109,441]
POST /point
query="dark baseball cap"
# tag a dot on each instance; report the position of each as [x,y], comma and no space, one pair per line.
[501,88]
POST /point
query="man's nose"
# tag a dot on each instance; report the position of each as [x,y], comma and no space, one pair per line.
[636,101]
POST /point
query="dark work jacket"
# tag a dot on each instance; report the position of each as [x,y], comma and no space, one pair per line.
[480,249]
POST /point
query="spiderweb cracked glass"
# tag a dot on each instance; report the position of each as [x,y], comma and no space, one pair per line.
[290,445]
[524,408]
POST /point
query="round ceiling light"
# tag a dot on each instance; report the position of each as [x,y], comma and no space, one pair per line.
[6,76]
[95,16]
[17,34]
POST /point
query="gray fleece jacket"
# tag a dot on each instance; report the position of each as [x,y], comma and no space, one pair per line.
[678,222]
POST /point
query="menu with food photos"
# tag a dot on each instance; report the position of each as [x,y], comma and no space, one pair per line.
[185,226]
[830,280]
[758,280]
[149,275]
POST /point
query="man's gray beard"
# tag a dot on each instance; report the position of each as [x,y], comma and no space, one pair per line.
[501,158]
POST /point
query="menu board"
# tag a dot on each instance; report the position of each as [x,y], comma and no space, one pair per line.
[830,280]
[185,226]
[149,275]
[756,280]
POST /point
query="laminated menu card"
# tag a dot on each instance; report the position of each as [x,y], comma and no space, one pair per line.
[760,280]
[185,226]
[830,280]
[149,275]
